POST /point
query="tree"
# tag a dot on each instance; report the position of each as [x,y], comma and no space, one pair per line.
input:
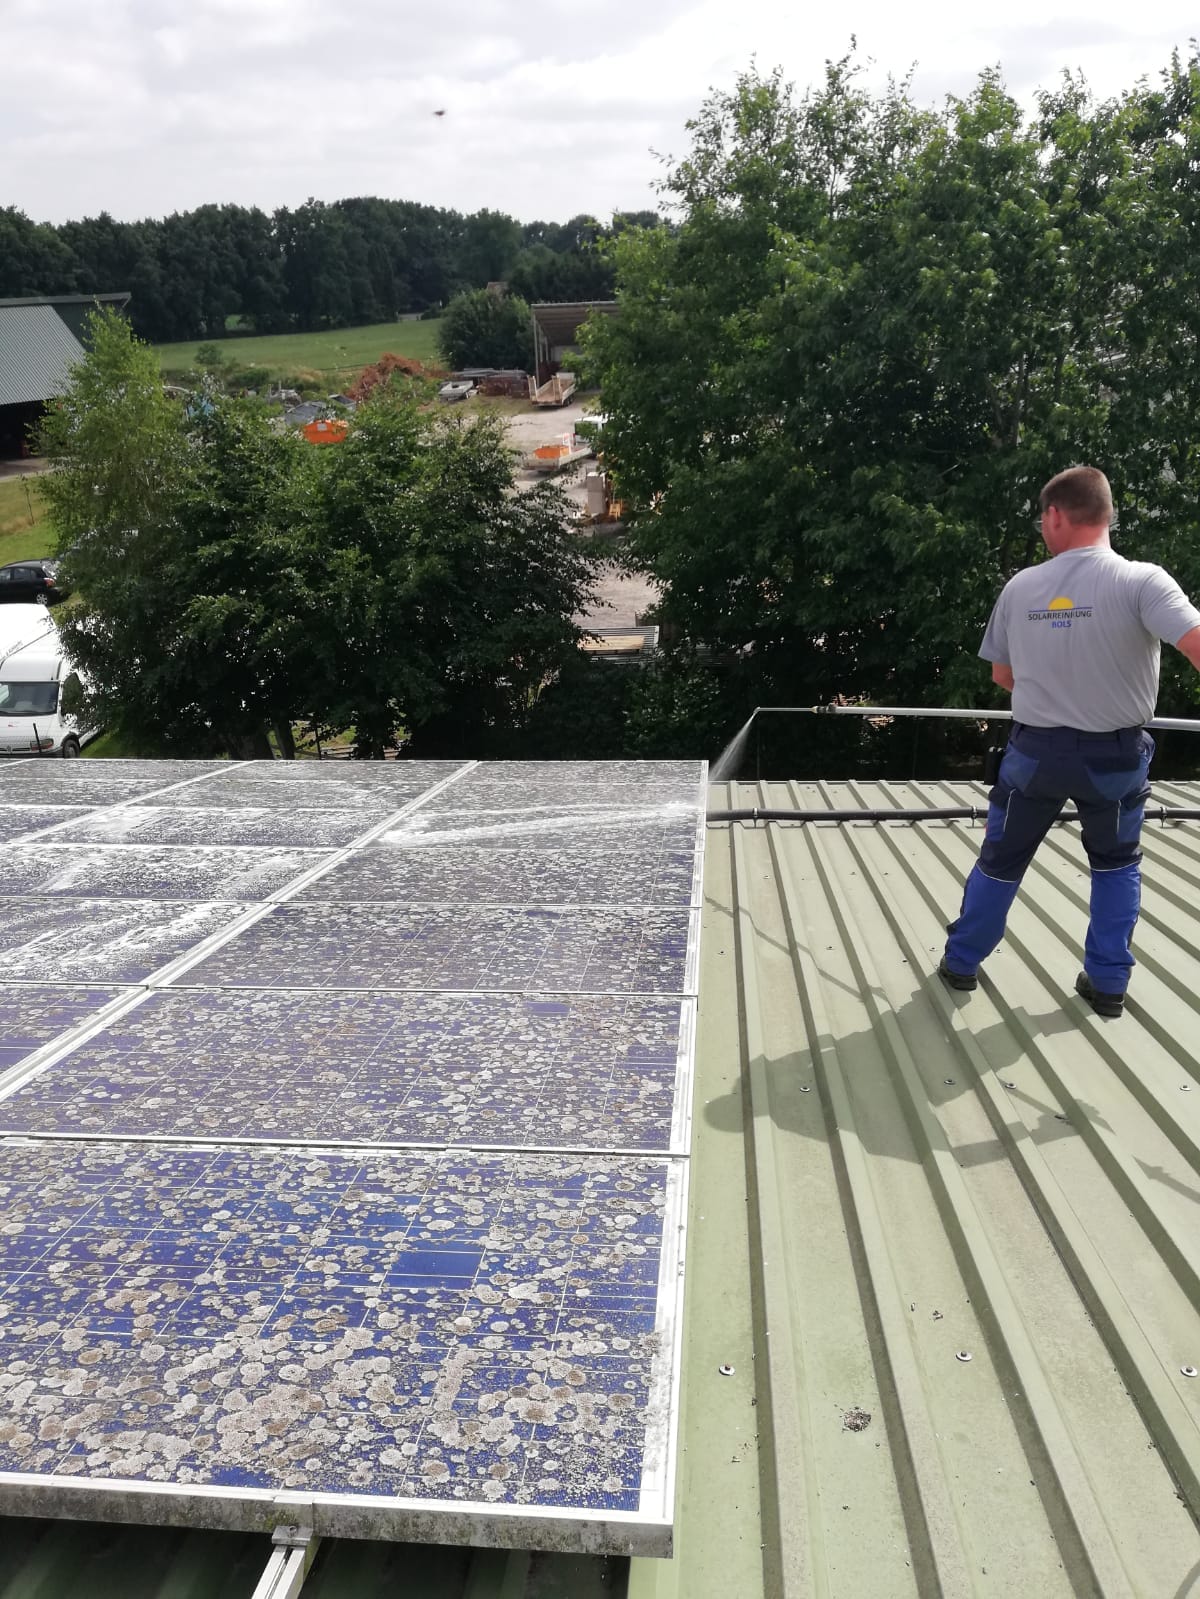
[452,598]
[194,602]
[487,329]
[231,580]
[835,389]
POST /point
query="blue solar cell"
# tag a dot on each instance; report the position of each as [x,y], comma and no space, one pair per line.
[32,1017]
[100,940]
[604,950]
[606,858]
[364,1356]
[145,873]
[428,1068]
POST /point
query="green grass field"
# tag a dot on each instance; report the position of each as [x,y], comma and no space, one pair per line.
[344,350]
[25,530]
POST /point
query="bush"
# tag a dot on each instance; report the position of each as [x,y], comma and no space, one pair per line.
[249,377]
[483,329]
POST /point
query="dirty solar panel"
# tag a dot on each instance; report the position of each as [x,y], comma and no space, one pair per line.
[18,819]
[363,786]
[212,825]
[31,1017]
[156,774]
[46,784]
[142,872]
[602,950]
[595,1072]
[100,940]
[476,1320]
[435,1327]
[615,858]
[521,787]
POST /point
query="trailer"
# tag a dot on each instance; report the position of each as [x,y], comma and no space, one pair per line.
[557,390]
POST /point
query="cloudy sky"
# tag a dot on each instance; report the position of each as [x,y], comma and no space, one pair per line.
[552,107]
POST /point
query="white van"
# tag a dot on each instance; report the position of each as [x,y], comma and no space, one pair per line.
[39,688]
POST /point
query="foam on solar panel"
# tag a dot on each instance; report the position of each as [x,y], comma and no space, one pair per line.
[606,949]
[480,1069]
[371,800]
[144,872]
[326,828]
[520,787]
[416,1331]
[31,1017]
[378,786]
[55,788]
[18,819]
[101,940]
[159,773]
[616,857]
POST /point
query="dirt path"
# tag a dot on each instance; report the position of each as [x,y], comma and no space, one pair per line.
[621,598]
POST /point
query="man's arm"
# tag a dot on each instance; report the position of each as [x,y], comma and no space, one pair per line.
[1003,675]
[1190,645]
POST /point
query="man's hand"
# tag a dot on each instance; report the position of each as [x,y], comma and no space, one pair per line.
[1190,645]
[1003,675]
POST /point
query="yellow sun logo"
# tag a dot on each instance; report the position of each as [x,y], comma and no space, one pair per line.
[1061,604]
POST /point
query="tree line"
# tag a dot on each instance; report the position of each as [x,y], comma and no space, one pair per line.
[344,264]
[838,383]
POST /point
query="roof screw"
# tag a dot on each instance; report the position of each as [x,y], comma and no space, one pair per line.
[1188,1371]
[725,1371]
[1185,1088]
[949,1082]
[1008,1082]
[805,1088]
[964,1355]
[1059,1117]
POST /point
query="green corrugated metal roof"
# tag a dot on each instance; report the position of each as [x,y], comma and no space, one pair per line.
[932,1176]
[37,350]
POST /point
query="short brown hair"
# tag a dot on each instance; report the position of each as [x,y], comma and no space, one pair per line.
[1082,494]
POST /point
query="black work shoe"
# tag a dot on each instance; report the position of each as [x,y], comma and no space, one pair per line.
[963,981]
[1103,1004]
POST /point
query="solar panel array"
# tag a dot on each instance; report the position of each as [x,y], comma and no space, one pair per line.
[343,1134]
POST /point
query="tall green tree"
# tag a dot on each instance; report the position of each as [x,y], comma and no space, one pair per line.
[231,579]
[835,389]
[452,598]
[195,598]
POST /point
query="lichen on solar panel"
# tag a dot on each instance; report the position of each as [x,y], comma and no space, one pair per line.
[598,950]
[101,940]
[620,858]
[452,1327]
[31,1017]
[146,872]
[596,1072]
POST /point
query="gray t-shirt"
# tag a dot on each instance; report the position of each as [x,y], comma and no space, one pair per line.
[1081,633]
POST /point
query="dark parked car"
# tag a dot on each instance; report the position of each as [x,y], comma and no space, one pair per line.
[35,580]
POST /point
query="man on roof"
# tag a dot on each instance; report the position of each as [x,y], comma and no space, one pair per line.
[1076,640]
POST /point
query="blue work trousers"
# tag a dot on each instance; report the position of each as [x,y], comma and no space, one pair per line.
[1043,767]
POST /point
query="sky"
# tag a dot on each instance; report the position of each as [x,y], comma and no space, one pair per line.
[552,107]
